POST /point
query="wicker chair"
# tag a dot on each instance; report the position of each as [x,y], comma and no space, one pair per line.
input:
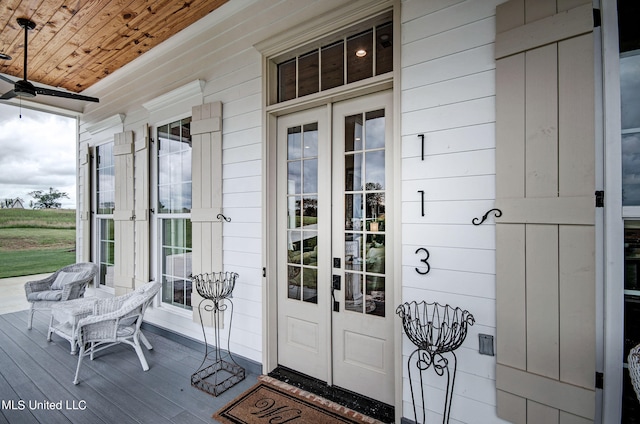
[116,320]
[66,283]
[633,360]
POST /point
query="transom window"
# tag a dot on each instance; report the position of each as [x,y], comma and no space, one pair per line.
[351,58]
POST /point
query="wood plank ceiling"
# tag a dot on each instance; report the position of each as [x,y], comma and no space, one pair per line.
[78,42]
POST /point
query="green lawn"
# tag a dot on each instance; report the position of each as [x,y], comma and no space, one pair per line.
[16,263]
[36,241]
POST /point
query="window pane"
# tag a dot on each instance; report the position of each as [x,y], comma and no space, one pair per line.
[294,177]
[374,129]
[384,48]
[353,172]
[106,251]
[293,212]
[375,253]
[360,56]
[631,169]
[176,262]
[353,292]
[287,80]
[294,143]
[294,274]
[332,65]
[174,167]
[310,211]
[630,91]
[308,80]
[353,251]
[353,133]
[294,249]
[375,295]
[375,170]
[310,167]
[105,179]
[310,285]
[375,212]
[353,212]
[310,140]
[310,246]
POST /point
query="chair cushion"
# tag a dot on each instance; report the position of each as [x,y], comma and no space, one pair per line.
[62,278]
[45,295]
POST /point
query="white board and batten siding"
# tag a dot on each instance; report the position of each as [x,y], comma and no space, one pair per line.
[448,95]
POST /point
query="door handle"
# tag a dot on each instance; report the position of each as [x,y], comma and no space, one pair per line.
[336,284]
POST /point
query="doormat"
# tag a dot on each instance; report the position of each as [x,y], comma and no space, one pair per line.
[271,401]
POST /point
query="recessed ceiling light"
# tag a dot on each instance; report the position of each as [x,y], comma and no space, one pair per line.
[361,53]
[5,56]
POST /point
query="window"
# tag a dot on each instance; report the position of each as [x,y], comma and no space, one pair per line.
[174,208]
[333,63]
[105,204]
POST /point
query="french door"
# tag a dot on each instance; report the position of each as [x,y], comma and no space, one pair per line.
[335,310]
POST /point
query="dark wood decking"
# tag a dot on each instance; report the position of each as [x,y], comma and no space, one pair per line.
[113,388]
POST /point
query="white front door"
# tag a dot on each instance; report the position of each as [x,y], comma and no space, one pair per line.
[335,311]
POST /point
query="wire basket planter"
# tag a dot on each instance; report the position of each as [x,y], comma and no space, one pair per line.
[436,330]
[218,370]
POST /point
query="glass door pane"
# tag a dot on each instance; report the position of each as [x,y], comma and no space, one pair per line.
[364,199]
[302,212]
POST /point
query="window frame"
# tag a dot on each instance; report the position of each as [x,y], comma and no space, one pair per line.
[96,216]
[157,217]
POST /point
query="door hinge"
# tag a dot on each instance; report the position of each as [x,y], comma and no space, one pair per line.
[599,199]
[597,19]
[599,380]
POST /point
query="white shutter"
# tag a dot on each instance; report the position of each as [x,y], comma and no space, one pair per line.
[123,214]
[142,191]
[206,188]
[545,238]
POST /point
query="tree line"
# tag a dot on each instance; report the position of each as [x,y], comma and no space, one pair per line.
[42,199]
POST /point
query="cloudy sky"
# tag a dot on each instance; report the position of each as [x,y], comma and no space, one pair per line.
[37,151]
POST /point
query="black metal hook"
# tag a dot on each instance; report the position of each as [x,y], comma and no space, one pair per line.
[422,138]
[220,216]
[498,214]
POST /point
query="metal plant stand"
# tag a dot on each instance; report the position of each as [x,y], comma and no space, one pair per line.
[436,330]
[216,374]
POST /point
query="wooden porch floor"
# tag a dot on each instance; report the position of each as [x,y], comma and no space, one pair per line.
[112,388]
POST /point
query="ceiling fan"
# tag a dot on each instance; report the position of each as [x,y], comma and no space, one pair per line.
[24,88]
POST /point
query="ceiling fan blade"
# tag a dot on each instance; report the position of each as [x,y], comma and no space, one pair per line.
[8,95]
[57,93]
[2,77]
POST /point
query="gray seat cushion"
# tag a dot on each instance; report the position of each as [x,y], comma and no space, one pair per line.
[45,295]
